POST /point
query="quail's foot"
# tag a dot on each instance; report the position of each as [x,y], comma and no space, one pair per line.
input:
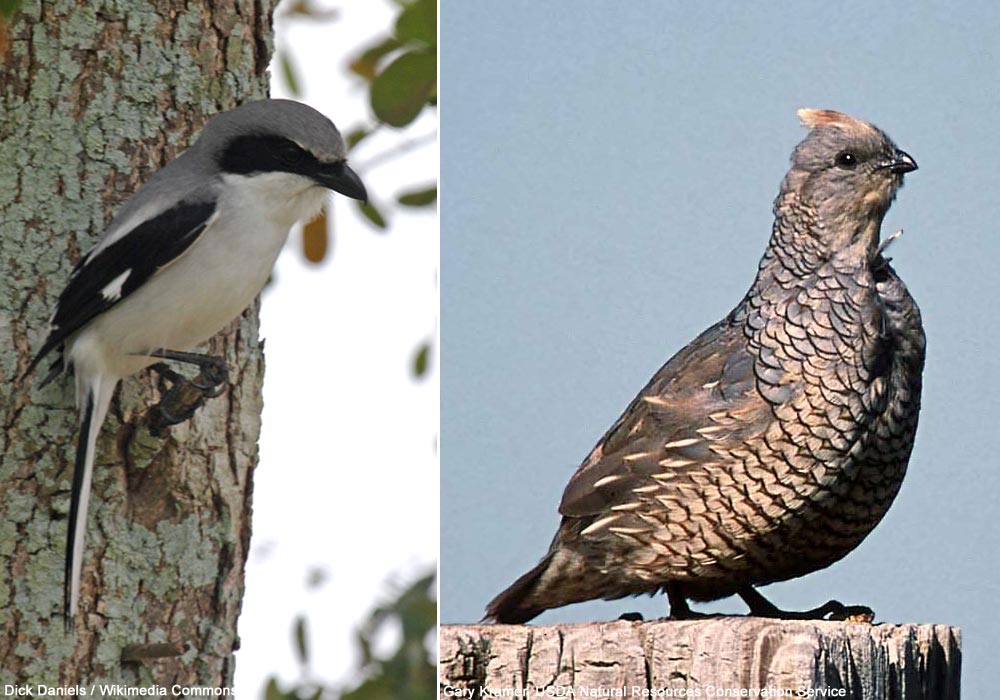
[831,610]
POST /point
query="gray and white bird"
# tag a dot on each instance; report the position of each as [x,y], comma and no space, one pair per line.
[187,253]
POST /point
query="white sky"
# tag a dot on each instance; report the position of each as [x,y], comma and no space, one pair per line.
[348,478]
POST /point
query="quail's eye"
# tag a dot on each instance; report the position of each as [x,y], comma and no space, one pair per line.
[846,160]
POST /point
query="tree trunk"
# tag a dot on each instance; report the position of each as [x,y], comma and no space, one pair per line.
[741,656]
[95,97]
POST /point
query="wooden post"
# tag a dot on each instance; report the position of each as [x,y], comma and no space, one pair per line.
[725,657]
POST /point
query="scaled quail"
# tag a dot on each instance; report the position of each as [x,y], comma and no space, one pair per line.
[772,444]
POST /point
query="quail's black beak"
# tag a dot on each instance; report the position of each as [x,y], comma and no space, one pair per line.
[339,178]
[902,163]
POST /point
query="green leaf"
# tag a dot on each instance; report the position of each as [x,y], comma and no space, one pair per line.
[9,7]
[419,198]
[376,688]
[372,214]
[301,649]
[364,646]
[403,673]
[272,691]
[406,672]
[421,360]
[366,65]
[404,87]
[417,610]
[418,22]
[353,137]
[288,72]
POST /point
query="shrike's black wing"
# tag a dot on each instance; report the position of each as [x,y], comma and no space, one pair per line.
[107,275]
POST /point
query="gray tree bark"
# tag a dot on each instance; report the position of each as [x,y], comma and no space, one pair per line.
[741,656]
[94,97]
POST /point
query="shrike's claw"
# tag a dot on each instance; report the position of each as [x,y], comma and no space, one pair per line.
[185,396]
[213,378]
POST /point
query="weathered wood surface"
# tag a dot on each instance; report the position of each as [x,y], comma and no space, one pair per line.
[718,657]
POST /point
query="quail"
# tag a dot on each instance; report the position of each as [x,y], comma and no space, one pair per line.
[774,443]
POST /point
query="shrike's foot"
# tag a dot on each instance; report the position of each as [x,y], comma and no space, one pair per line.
[184,396]
[178,401]
[631,617]
[213,378]
[832,610]
[213,375]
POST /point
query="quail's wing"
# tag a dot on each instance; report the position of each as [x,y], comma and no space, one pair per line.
[670,434]
[112,271]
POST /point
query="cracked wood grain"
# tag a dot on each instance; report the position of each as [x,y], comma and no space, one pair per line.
[702,657]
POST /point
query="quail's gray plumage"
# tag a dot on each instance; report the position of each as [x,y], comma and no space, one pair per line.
[774,442]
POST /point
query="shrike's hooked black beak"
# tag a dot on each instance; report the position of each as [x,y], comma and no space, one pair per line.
[340,178]
[902,163]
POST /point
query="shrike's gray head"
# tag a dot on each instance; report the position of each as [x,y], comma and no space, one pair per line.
[280,136]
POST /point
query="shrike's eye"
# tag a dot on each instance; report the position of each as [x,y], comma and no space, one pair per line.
[290,154]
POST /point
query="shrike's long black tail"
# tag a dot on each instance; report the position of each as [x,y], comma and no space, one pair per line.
[95,397]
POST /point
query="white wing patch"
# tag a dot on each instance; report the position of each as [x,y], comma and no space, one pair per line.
[113,290]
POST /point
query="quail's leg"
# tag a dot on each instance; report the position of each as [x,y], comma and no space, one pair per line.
[679,609]
[762,607]
[185,396]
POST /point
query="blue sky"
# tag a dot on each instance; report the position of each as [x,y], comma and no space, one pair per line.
[608,171]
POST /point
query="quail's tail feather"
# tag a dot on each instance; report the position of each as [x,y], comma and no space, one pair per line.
[94,401]
[560,578]
[511,607]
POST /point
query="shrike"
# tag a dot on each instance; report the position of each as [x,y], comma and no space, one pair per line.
[185,255]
